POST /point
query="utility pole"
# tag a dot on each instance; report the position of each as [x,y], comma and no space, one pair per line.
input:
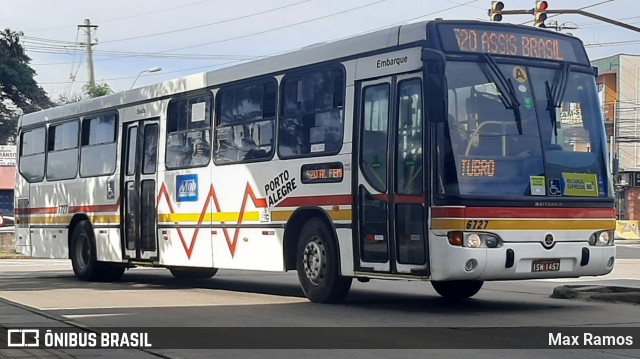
[87,27]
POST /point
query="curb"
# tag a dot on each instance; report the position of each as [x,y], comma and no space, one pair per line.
[627,241]
[598,293]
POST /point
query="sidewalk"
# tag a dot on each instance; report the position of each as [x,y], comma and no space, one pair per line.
[13,315]
[622,285]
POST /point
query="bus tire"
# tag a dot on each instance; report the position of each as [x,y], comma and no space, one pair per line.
[318,265]
[457,289]
[83,252]
[193,273]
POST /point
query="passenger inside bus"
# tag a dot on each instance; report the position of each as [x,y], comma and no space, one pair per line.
[374,157]
[458,135]
[177,156]
[252,150]
[495,124]
[200,153]
[332,138]
[150,154]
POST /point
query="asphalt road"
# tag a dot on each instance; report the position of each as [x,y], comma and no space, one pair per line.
[150,297]
[629,250]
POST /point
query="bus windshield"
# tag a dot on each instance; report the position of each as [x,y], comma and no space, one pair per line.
[521,130]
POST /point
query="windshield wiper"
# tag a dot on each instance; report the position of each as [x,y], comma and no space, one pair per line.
[505,86]
[555,94]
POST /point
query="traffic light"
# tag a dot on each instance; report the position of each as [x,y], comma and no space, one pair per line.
[495,13]
[540,13]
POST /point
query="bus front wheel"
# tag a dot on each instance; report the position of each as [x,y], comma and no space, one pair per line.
[318,265]
[457,289]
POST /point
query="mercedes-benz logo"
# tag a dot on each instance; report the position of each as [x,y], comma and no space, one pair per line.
[548,241]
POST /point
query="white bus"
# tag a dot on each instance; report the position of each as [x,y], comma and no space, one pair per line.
[449,151]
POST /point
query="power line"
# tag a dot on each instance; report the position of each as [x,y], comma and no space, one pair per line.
[125,17]
[273,54]
[614,43]
[277,28]
[206,25]
[271,30]
[153,12]
[72,74]
[597,24]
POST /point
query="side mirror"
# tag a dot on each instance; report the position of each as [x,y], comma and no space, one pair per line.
[435,85]
[434,61]
[595,71]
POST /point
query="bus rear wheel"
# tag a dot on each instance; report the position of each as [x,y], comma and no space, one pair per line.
[84,260]
[318,265]
[457,289]
[83,252]
[193,273]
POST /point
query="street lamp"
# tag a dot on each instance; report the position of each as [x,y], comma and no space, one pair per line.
[153,69]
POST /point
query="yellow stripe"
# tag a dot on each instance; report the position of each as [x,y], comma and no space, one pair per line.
[283,216]
[235,216]
[528,224]
[105,219]
[343,215]
[216,217]
[65,219]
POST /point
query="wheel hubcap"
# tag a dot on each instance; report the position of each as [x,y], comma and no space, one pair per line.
[314,261]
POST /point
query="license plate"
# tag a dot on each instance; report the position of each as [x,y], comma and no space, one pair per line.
[545,265]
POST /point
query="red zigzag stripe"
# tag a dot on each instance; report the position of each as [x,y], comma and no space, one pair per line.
[248,192]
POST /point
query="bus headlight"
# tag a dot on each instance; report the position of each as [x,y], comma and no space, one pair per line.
[491,241]
[473,241]
[601,238]
[592,239]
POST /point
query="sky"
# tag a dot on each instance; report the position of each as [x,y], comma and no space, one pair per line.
[191,36]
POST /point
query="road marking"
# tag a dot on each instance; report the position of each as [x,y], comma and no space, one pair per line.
[99,299]
[74,316]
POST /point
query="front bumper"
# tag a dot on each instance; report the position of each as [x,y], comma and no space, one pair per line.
[452,263]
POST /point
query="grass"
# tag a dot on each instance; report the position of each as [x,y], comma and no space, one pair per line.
[12,254]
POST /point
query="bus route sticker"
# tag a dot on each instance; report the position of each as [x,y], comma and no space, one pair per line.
[520,74]
[537,185]
[265,216]
[580,184]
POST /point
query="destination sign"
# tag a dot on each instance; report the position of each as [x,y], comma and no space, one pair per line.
[511,41]
[322,172]
[477,168]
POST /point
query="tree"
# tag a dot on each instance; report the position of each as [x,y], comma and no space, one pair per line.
[97,90]
[19,91]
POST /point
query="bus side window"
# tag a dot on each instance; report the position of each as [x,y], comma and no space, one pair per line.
[176,156]
[374,157]
[188,121]
[200,154]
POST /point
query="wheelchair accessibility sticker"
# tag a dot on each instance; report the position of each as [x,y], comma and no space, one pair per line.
[555,187]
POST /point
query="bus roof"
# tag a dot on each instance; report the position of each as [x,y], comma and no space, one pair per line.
[317,53]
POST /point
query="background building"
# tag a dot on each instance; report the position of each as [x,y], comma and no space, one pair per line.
[618,81]
[7,178]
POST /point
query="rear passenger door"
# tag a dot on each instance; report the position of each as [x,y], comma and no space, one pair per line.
[391,211]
